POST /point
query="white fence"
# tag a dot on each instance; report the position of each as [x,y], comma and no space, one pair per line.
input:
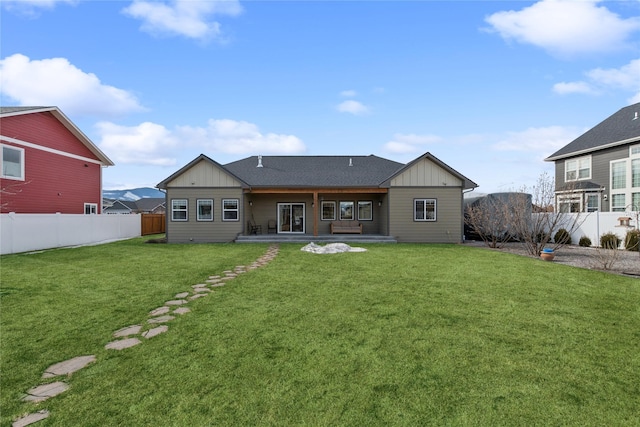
[595,224]
[31,232]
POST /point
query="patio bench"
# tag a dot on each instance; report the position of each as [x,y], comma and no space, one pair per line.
[344,227]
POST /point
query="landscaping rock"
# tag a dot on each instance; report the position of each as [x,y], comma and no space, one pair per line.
[30,419]
[159,311]
[68,367]
[129,330]
[155,331]
[122,344]
[161,319]
[43,392]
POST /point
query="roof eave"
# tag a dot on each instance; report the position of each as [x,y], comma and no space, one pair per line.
[593,150]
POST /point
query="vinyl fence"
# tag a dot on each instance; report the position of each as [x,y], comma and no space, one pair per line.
[31,232]
[595,224]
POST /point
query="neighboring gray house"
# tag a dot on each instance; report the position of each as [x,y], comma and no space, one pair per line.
[304,195]
[600,170]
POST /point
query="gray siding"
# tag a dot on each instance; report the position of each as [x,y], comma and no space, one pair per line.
[193,231]
[448,225]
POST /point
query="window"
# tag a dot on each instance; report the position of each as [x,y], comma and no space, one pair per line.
[635,201]
[365,211]
[618,203]
[576,169]
[635,173]
[205,210]
[90,208]
[328,211]
[12,163]
[593,202]
[346,210]
[424,209]
[634,150]
[619,174]
[179,210]
[230,209]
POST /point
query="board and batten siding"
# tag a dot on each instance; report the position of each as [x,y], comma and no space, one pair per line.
[447,228]
[204,174]
[426,173]
[194,231]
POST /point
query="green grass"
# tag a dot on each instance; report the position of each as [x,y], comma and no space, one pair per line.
[399,335]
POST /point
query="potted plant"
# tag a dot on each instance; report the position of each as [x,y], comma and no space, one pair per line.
[547,254]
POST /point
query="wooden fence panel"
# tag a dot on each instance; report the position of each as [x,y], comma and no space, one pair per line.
[153,224]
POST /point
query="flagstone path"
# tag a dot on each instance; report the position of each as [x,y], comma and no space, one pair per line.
[128,336]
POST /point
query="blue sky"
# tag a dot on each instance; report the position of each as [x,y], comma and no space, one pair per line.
[489,87]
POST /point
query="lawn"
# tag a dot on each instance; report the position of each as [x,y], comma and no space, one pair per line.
[398,335]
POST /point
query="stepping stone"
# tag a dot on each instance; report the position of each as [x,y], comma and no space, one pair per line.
[43,392]
[196,296]
[129,330]
[68,367]
[181,310]
[176,302]
[158,311]
[161,319]
[197,290]
[122,344]
[199,285]
[214,280]
[155,331]
[182,295]
[216,285]
[214,277]
[230,275]
[31,418]
[224,279]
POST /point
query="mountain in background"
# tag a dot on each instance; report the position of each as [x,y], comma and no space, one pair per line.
[133,194]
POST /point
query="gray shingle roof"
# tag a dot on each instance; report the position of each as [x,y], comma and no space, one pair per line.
[314,171]
[9,110]
[620,128]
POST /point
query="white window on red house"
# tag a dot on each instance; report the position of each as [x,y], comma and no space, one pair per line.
[90,208]
[12,163]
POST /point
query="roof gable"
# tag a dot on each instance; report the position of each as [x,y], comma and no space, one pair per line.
[623,127]
[313,171]
[64,120]
[429,171]
[202,172]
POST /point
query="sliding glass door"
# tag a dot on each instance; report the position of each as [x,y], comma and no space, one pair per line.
[291,218]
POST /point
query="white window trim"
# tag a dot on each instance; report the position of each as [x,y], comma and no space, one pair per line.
[636,148]
[578,161]
[435,210]
[199,202]
[328,203]
[22,161]
[93,208]
[186,210]
[236,210]
[365,202]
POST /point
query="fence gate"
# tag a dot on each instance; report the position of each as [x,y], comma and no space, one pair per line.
[152,224]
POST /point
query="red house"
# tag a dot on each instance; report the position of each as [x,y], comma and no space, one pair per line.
[47,164]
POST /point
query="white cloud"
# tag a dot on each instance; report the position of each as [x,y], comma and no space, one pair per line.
[353,107]
[566,27]
[182,17]
[625,78]
[410,143]
[239,137]
[32,7]
[57,82]
[542,141]
[146,144]
[153,144]
[348,93]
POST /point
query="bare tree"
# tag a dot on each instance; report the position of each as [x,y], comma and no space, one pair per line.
[10,189]
[534,219]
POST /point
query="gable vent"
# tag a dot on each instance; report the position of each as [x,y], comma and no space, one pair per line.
[259,162]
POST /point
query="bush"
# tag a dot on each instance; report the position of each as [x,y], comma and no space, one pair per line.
[610,241]
[563,237]
[585,242]
[632,240]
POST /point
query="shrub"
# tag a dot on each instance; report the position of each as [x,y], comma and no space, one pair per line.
[610,241]
[632,240]
[585,242]
[563,237]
